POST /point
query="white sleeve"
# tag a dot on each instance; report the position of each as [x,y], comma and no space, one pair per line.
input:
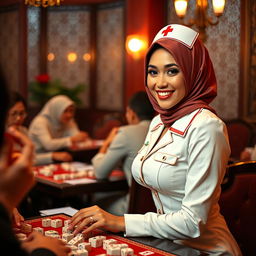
[43,158]
[105,163]
[40,135]
[253,153]
[208,151]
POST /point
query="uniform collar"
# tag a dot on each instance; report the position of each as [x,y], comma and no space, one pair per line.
[181,126]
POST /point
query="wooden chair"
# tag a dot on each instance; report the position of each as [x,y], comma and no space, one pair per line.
[106,124]
[141,200]
[238,204]
[241,135]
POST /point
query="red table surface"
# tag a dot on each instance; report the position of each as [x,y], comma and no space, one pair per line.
[60,170]
[137,247]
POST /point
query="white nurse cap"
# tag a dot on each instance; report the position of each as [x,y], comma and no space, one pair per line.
[183,34]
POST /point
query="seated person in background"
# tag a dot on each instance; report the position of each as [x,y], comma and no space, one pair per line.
[122,144]
[248,154]
[54,129]
[17,112]
[19,175]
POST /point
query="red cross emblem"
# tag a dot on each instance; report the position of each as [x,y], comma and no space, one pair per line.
[168,29]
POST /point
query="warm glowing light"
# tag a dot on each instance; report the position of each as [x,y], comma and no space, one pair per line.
[218,6]
[87,57]
[181,7]
[50,56]
[43,3]
[201,20]
[72,56]
[136,45]
[202,3]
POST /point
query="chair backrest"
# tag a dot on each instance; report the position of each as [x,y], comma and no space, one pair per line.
[238,204]
[106,124]
[140,199]
[240,134]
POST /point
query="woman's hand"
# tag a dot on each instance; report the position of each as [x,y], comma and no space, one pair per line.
[245,156]
[16,178]
[62,156]
[17,217]
[36,240]
[79,137]
[94,217]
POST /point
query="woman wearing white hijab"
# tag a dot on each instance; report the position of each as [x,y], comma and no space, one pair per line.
[54,129]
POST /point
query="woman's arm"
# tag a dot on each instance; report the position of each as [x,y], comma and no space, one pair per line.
[40,134]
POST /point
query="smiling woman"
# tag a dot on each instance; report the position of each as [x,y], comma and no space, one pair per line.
[165,79]
[186,150]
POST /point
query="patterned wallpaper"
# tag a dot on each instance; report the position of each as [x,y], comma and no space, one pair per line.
[223,44]
[110,52]
[69,31]
[9,55]
[33,20]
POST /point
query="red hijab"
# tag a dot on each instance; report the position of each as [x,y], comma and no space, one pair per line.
[200,80]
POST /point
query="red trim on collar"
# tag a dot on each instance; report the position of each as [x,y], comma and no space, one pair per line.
[182,133]
[158,125]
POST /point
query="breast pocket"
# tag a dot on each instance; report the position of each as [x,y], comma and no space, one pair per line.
[165,158]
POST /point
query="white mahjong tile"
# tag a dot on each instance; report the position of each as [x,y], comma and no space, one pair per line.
[76,240]
[46,222]
[66,222]
[127,252]
[21,236]
[85,245]
[81,253]
[56,223]
[114,250]
[67,236]
[96,241]
[39,230]
[108,242]
[26,228]
[146,253]
[51,233]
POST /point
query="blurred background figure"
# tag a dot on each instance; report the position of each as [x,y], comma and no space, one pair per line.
[54,129]
[248,154]
[17,112]
[18,174]
[120,148]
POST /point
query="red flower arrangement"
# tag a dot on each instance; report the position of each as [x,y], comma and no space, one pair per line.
[43,88]
[43,78]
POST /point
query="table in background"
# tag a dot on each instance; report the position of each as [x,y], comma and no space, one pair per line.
[86,151]
[48,193]
[62,190]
